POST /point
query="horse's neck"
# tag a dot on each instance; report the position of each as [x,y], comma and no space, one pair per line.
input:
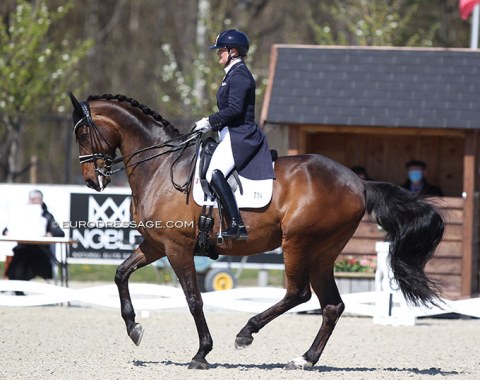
[142,136]
[154,174]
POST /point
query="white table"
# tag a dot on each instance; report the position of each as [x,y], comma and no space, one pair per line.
[61,253]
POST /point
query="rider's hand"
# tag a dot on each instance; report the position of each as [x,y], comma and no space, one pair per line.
[203,125]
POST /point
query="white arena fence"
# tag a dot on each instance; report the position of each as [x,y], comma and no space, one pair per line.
[151,297]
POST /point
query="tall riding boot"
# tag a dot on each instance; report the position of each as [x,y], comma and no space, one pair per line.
[227,200]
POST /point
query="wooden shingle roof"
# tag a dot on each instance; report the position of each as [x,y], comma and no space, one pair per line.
[389,87]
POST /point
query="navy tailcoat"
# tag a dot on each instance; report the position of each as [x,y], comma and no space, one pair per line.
[236,104]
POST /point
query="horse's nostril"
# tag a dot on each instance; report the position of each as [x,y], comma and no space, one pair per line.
[90,183]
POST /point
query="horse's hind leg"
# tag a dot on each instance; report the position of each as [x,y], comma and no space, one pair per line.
[130,265]
[323,283]
[298,292]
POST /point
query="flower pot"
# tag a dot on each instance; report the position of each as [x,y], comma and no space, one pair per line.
[355,282]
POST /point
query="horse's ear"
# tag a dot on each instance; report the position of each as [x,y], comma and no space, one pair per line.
[76,104]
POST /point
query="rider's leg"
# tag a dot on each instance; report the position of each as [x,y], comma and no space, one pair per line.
[229,205]
[222,158]
[221,165]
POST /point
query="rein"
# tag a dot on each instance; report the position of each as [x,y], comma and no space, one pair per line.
[191,138]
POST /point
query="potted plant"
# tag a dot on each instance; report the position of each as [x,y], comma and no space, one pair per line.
[355,273]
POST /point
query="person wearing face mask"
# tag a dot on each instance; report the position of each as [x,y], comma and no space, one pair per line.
[417,182]
[243,145]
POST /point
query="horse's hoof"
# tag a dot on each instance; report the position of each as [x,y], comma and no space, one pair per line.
[198,364]
[242,342]
[298,363]
[136,333]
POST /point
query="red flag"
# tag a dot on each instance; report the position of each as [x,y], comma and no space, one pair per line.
[466,7]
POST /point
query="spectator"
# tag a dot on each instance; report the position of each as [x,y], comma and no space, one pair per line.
[417,181]
[31,260]
[361,172]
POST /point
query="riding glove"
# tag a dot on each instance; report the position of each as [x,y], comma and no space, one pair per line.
[203,125]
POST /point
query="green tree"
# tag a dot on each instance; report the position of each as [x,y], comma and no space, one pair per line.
[35,73]
[370,23]
[189,88]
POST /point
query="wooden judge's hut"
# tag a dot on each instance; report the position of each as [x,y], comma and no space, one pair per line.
[379,108]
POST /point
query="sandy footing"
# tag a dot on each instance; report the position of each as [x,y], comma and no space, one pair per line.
[61,342]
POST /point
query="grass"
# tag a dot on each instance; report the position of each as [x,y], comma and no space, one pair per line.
[151,274]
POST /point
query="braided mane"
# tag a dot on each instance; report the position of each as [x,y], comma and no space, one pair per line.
[145,109]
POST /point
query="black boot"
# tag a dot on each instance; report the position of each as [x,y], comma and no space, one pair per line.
[224,193]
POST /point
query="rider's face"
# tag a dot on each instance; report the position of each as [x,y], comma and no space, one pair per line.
[222,56]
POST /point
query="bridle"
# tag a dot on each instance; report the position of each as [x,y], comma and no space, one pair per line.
[108,161]
[105,169]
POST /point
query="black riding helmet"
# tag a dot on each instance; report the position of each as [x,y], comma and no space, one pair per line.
[232,38]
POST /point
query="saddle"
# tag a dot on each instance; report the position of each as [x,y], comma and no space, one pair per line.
[208,148]
[204,244]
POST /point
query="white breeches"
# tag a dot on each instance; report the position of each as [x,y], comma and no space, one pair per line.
[222,158]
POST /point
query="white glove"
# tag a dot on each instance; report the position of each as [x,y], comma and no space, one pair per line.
[203,125]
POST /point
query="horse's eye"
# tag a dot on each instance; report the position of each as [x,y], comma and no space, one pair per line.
[82,137]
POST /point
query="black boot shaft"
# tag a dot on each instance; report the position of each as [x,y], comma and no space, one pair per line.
[229,205]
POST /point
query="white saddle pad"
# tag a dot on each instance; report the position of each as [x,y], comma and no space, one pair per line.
[256,193]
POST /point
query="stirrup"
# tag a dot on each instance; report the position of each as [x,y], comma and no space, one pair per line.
[242,233]
[236,231]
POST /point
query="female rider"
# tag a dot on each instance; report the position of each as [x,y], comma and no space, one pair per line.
[243,144]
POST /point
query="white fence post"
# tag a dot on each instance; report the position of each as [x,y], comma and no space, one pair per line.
[391,306]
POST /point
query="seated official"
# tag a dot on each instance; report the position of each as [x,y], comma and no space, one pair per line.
[32,260]
[361,172]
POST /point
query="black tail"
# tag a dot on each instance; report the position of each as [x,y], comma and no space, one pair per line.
[414,229]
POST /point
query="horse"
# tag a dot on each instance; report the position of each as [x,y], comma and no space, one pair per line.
[316,206]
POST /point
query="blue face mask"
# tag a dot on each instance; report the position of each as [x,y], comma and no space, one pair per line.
[415,175]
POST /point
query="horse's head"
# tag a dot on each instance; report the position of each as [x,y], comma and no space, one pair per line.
[97,145]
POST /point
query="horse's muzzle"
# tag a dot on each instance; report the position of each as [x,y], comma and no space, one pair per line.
[97,186]
[92,185]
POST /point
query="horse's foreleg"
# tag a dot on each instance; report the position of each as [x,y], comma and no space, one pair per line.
[323,284]
[135,261]
[298,292]
[185,270]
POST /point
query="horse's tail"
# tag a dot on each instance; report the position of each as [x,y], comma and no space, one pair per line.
[414,229]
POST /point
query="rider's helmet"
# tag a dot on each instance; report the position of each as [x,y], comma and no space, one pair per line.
[232,38]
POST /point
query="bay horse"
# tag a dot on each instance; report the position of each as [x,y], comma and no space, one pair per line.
[316,207]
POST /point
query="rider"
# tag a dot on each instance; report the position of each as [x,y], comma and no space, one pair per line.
[242,144]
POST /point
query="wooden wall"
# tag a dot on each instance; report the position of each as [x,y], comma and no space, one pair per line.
[446,264]
[384,156]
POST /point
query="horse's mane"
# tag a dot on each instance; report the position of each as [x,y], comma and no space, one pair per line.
[145,109]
